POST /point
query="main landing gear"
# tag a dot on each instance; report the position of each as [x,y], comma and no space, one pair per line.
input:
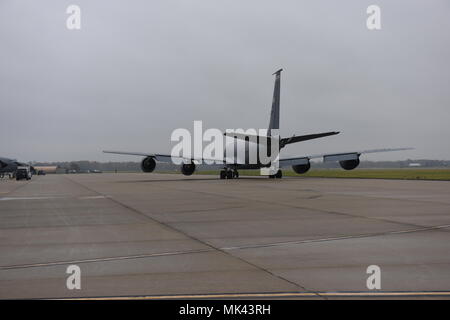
[229,174]
[277,175]
[234,174]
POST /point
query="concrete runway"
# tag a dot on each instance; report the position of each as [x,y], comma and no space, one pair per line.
[156,235]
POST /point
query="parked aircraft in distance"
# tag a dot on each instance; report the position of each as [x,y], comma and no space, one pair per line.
[9,166]
[230,167]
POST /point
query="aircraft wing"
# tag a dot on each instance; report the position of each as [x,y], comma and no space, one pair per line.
[166,158]
[286,162]
[330,157]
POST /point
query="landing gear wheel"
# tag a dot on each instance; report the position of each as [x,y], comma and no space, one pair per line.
[223,174]
[279,174]
[235,174]
[229,174]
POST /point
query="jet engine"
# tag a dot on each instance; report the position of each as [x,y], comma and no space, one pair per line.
[188,168]
[301,168]
[349,164]
[148,164]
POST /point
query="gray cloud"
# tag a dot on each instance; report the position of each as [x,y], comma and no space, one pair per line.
[138,70]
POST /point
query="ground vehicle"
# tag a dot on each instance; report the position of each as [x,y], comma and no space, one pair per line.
[23,173]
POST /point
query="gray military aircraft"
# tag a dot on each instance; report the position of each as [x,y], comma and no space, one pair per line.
[9,166]
[230,166]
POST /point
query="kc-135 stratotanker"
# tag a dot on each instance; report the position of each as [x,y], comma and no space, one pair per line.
[241,159]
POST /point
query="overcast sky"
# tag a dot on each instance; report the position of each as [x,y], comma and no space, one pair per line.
[137,70]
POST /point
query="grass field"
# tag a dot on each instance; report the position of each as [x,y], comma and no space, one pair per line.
[402,174]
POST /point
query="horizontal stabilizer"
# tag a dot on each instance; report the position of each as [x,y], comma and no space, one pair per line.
[244,136]
[283,141]
[306,137]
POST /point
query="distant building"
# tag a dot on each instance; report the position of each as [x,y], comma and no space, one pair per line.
[415,164]
[46,169]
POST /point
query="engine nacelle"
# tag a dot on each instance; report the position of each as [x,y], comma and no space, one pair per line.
[187,169]
[301,168]
[349,164]
[148,164]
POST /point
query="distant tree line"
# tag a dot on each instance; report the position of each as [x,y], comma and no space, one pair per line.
[84,165]
[422,163]
[130,166]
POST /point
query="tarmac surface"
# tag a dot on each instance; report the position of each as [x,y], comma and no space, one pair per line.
[158,236]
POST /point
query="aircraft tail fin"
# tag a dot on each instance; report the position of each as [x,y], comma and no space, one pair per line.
[275,112]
